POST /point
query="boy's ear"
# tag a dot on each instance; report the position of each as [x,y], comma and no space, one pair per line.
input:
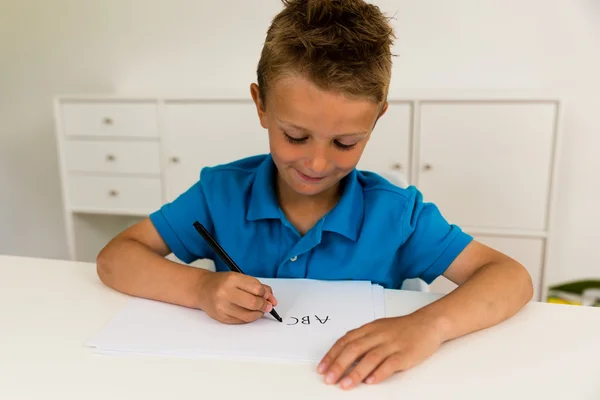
[260,107]
[383,110]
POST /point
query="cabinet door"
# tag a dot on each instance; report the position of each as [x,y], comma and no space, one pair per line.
[487,165]
[200,134]
[388,148]
[527,251]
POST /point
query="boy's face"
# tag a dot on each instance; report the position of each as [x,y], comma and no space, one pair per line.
[316,138]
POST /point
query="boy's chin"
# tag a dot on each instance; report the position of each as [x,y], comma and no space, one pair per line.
[310,189]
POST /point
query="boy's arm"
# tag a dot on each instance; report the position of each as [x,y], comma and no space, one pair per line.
[134,263]
[492,288]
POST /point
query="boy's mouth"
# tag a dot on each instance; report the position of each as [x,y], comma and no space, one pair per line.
[309,178]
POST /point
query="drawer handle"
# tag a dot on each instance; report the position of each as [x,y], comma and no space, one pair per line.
[110,157]
[427,167]
[113,193]
[107,121]
[175,160]
[397,166]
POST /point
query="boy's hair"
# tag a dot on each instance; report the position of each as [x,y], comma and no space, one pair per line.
[339,45]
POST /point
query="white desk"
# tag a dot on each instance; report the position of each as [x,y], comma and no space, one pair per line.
[49,308]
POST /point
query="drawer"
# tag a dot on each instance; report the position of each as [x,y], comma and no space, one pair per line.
[111,119]
[114,194]
[113,157]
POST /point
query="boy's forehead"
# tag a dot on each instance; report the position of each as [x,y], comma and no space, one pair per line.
[297,98]
[299,87]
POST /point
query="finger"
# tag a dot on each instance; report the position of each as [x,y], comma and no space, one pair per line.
[243,314]
[250,302]
[251,285]
[366,366]
[336,349]
[350,353]
[394,363]
[269,295]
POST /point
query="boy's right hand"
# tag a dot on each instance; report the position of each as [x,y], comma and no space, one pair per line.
[235,298]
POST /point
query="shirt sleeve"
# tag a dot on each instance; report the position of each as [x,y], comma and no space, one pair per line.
[174,222]
[430,243]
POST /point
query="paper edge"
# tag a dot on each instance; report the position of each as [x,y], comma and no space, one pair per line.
[379,310]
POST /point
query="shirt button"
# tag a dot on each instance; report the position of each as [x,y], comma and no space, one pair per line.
[293,258]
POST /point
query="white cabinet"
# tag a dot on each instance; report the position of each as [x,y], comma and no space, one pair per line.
[487,162]
[487,165]
[388,149]
[110,156]
[200,134]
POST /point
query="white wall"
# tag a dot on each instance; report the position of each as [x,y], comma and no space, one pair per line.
[202,47]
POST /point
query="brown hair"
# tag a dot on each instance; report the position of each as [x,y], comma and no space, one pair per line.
[340,45]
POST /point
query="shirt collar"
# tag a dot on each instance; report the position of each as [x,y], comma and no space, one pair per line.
[345,218]
[263,199]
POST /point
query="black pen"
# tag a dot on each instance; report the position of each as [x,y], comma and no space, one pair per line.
[224,256]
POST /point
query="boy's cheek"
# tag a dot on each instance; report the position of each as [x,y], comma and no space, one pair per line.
[347,162]
[285,154]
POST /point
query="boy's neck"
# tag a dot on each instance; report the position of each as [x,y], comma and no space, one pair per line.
[324,200]
[305,211]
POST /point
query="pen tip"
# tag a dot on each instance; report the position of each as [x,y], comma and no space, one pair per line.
[276,316]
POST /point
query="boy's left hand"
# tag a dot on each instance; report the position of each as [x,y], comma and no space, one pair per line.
[380,349]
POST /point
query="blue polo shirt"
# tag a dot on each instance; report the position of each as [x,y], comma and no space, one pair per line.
[377,231]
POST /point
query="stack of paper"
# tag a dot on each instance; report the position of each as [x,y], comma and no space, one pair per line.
[315,314]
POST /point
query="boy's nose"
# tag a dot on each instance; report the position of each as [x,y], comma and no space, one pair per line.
[318,164]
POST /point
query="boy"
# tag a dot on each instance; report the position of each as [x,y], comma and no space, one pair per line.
[304,211]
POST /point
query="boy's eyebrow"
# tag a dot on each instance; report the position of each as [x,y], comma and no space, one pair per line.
[304,130]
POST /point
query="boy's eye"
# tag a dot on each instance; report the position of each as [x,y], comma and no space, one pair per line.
[343,146]
[338,144]
[294,140]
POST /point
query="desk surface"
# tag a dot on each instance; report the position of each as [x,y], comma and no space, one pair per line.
[50,308]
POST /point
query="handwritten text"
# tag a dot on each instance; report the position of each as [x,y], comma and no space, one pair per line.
[306,320]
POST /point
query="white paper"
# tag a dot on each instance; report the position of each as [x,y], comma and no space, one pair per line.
[315,314]
[378,302]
